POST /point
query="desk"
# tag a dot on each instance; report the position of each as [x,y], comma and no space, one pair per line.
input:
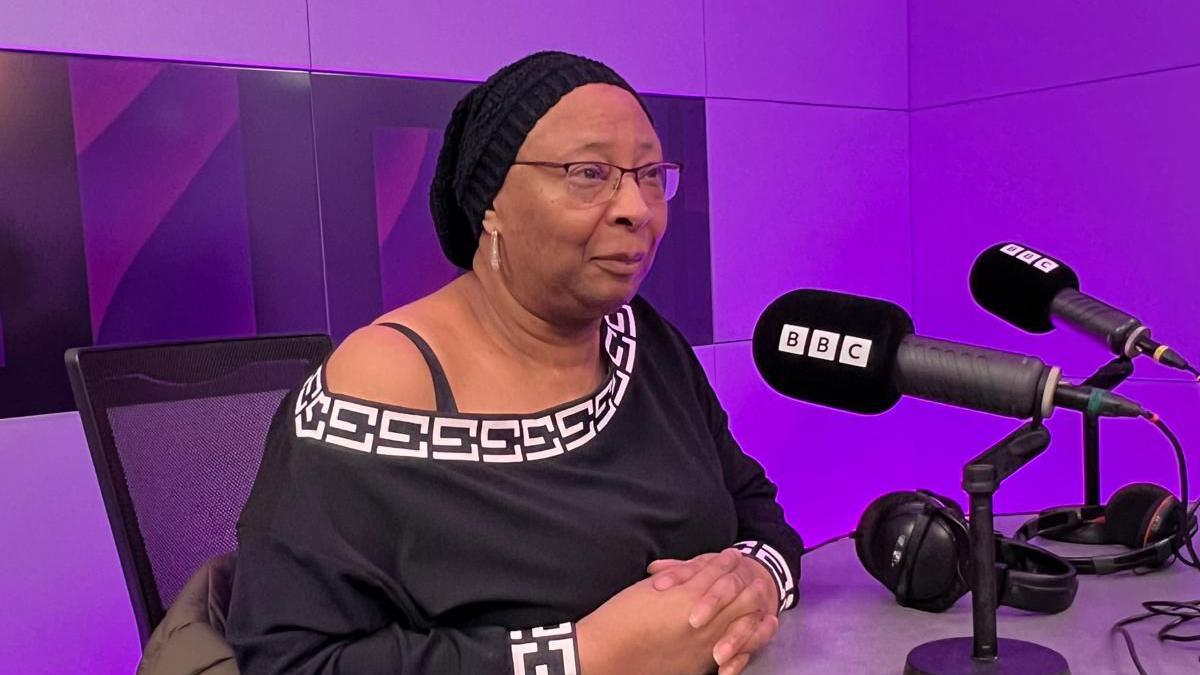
[849,624]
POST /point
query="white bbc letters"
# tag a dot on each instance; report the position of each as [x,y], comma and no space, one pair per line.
[824,345]
[1026,255]
[1046,265]
[855,351]
[792,339]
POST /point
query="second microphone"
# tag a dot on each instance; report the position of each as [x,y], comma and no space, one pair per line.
[861,354]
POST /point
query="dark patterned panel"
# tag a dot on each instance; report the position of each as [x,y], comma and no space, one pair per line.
[153,201]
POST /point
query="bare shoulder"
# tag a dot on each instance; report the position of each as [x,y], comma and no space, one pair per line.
[378,363]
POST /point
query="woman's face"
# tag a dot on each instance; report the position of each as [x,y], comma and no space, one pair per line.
[571,259]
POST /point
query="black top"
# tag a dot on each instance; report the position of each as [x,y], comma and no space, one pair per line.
[383,539]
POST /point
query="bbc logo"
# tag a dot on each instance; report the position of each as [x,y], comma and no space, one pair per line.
[1031,257]
[825,345]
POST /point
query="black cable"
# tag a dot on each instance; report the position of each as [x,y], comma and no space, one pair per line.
[827,542]
[1186,529]
[1180,613]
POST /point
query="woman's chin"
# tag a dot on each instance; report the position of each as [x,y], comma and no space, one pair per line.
[610,295]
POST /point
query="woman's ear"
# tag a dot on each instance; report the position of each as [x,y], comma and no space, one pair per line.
[491,222]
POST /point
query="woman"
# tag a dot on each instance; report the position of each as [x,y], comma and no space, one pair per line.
[480,481]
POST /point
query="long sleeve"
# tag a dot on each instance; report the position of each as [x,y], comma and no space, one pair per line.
[763,532]
[306,613]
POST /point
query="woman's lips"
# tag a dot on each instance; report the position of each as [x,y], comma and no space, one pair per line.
[624,264]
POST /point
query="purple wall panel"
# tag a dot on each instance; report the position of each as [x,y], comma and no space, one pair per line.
[66,605]
[804,196]
[409,262]
[657,48]
[1102,176]
[43,279]
[162,174]
[355,118]
[263,33]
[808,52]
[963,50]
[680,283]
[287,261]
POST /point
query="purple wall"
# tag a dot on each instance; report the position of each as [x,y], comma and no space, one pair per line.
[1102,176]
[66,606]
[263,32]
[873,151]
[825,53]
[659,48]
[967,50]
[804,196]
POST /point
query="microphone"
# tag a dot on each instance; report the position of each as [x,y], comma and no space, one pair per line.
[860,354]
[1029,289]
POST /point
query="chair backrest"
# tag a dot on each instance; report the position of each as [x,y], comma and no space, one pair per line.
[176,433]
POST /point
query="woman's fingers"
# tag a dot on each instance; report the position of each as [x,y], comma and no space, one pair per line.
[733,657]
[763,633]
[736,636]
[681,572]
[663,564]
[718,596]
[735,665]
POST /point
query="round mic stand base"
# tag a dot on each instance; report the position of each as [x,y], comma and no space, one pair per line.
[952,656]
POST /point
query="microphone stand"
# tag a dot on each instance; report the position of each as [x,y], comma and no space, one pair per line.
[984,653]
[1108,377]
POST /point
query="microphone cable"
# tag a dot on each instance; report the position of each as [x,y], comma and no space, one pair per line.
[1178,612]
[1186,529]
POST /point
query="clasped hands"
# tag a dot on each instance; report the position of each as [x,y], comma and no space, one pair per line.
[736,581]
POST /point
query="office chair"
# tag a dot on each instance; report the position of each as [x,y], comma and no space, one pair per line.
[176,433]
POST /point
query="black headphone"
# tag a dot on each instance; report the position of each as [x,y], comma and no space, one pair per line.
[917,544]
[1141,516]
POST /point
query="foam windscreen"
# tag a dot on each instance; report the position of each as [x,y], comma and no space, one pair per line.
[831,349]
[1018,284]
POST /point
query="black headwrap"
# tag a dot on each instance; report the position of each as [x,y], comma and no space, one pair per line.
[485,132]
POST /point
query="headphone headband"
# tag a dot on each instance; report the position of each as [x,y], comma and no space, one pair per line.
[1034,579]
[1057,520]
[1029,577]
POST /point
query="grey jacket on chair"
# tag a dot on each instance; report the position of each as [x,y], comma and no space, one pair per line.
[190,640]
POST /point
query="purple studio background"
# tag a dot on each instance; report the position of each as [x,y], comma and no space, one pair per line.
[874,149]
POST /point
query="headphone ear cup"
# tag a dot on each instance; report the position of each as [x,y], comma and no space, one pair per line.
[928,538]
[1140,513]
[938,576]
[949,503]
[866,535]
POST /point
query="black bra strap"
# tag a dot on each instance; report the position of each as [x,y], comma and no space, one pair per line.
[441,387]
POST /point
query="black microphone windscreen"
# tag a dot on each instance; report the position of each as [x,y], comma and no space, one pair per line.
[1018,285]
[831,349]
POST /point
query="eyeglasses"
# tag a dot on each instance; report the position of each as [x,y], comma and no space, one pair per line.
[591,183]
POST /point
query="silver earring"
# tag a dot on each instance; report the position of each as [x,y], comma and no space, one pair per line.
[496,250]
